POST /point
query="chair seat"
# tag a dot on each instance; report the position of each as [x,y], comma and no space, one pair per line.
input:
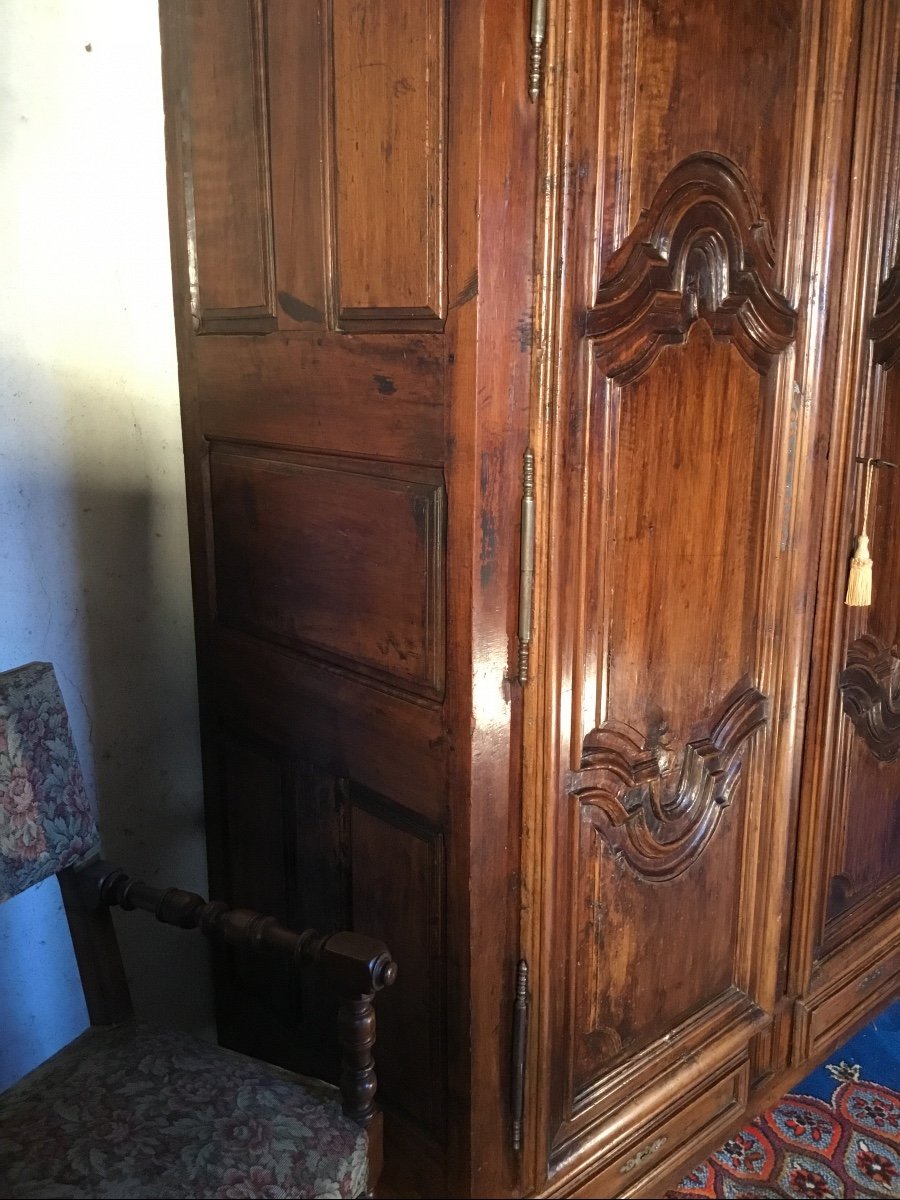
[136,1111]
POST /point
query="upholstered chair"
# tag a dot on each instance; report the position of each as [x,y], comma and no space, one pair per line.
[130,1110]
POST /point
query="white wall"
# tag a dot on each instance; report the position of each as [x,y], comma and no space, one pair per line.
[94,571]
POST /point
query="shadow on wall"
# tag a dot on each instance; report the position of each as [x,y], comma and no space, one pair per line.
[139,662]
[93,554]
[95,579]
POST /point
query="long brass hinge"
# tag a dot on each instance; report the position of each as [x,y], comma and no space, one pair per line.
[520,1038]
[538,33]
[526,566]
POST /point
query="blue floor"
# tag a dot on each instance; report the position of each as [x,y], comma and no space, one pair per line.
[875,1051]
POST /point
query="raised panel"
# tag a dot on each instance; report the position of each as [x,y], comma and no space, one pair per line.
[666,66]
[616,949]
[389,146]
[643,1150]
[885,325]
[229,220]
[256,1009]
[352,725]
[335,557]
[662,755]
[285,846]
[397,865]
[670,776]
[298,127]
[377,396]
[253,790]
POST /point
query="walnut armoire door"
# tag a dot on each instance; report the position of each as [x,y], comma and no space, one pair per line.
[697,170]
[846,958]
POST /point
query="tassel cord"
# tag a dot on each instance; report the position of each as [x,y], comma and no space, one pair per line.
[859,584]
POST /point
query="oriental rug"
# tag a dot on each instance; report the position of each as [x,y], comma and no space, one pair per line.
[836,1135]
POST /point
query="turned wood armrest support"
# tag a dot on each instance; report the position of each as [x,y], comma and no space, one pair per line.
[356,966]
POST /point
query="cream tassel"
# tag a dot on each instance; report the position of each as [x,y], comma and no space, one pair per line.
[859,585]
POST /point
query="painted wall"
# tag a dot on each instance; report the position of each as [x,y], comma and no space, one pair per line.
[94,572]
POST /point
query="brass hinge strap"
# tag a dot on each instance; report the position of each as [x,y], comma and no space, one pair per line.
[526,566]
[520,1036]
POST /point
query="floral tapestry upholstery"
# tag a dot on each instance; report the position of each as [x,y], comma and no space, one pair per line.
[46,819]
[136,1111]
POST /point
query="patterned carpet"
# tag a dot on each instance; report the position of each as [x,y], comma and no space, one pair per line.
[836,1135]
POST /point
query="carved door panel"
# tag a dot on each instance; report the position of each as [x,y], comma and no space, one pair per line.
[688,382]
[337,179]
[848,934]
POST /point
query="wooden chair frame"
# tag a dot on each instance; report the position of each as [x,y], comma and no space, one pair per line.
[354,966]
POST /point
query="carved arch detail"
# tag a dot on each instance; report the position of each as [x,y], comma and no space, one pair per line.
[657,814]
[870,690]
[702,250]
[884,328]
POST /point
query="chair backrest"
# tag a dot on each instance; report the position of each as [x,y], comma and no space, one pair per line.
[48,827]
[47,821]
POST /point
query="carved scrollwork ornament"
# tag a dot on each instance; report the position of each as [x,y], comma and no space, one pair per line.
[870,691]
[657,822]
[701,251]
[884,328]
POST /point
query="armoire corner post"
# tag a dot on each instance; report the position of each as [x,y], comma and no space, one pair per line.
[526,351]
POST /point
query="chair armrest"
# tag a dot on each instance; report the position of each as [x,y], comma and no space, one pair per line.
[356,966]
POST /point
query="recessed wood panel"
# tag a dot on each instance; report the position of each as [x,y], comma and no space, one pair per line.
[253,794]
[619,943]
[397,864]
[371,395]
[389,82]
[352,725]
[257,1011]
[661,812]
[296,45]
[332,556]
[684,520]
[227,159]
[669,103]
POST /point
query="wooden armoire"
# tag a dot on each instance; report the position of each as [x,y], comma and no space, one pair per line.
[540,367]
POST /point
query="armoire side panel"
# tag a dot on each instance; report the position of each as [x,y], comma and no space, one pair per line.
[316,461]
[353,399]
